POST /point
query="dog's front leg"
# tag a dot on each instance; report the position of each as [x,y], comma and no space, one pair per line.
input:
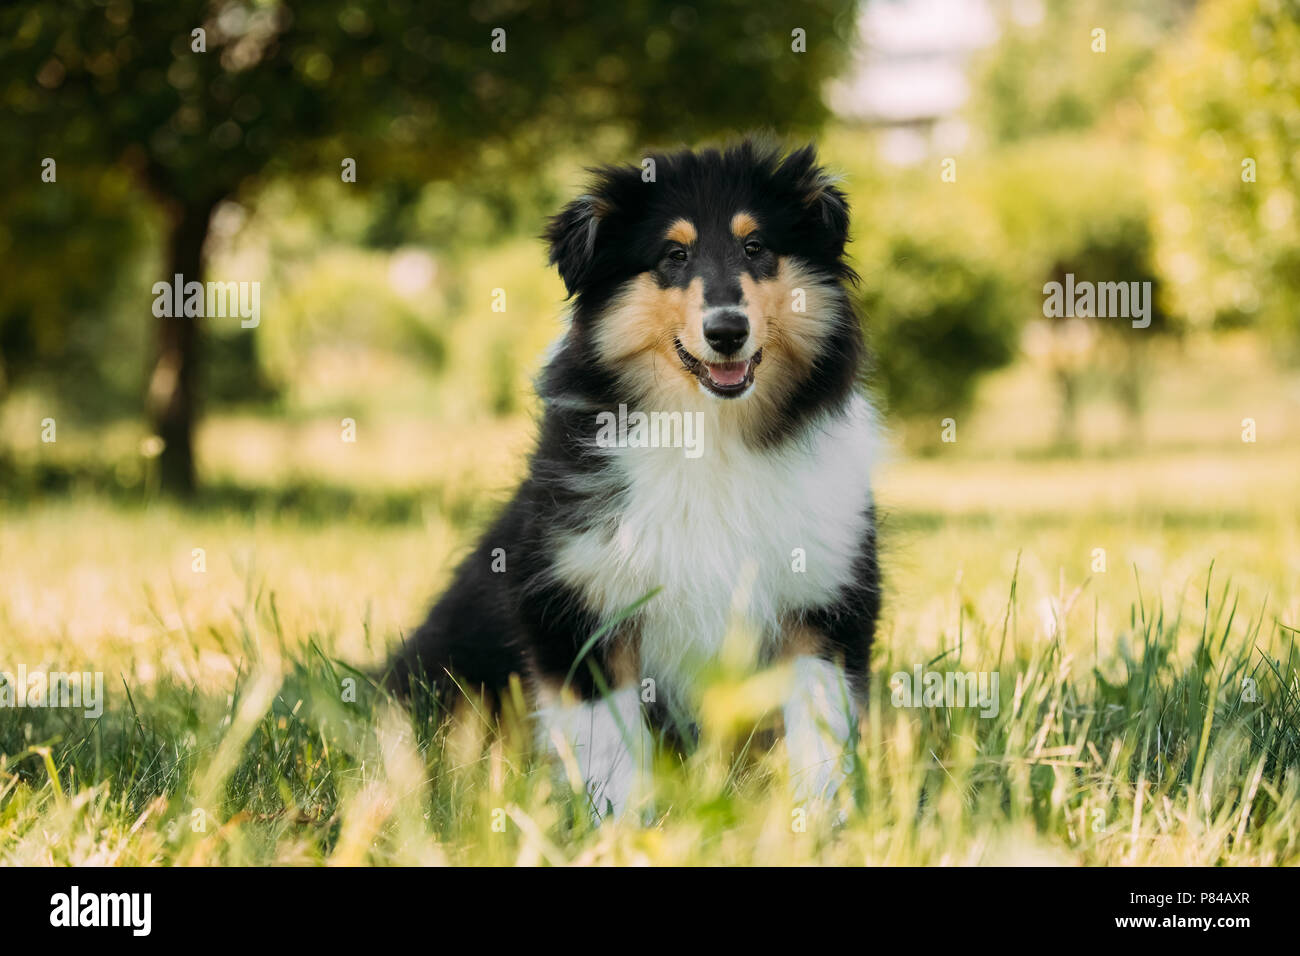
[608,742]
[820,714]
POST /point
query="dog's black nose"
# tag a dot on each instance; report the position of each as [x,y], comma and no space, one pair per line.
[726,330]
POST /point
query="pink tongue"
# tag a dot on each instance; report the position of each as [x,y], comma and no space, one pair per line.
[732,373]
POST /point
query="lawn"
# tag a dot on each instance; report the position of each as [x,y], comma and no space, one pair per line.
[1137,602]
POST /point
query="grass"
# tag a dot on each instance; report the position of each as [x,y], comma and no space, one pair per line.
[1148,712]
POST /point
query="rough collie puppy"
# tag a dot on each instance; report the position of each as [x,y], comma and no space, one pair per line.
[704,441]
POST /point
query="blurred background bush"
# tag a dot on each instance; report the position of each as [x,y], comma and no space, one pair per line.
[988,148]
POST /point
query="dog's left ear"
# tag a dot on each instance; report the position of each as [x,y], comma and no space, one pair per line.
[827,208]
[828,202]
[572,238]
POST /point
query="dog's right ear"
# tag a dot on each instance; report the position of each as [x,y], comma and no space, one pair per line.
[572,238]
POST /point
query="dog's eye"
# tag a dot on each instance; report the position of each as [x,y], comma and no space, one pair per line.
[677,255]
[753,247]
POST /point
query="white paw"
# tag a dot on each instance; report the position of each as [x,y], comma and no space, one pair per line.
[819,717]
[610,745]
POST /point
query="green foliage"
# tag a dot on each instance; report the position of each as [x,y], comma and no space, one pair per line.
[1077,204]
[293,86]
[1046,73]
[952,272]
[937,310]
[937,317]
[73,314]
[207,102]
[1229,92]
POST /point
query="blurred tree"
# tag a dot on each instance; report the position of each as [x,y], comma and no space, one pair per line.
[206,101]
[1225,104]
[1051,71]
[1058,100]
[1076,204]
[66,249]
[938,296]
[938,304]
[938,316]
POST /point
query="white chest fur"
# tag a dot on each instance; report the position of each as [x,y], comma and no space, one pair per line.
[736,530]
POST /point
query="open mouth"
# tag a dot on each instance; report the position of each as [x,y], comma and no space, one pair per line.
[728,379]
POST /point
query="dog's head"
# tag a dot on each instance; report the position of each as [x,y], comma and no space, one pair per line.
[713,272]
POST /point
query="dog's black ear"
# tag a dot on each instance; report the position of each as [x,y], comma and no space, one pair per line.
[829,203]
[827,207]
[572,239]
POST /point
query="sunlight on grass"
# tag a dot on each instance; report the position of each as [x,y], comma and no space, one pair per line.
[1134,744]
[1147,706]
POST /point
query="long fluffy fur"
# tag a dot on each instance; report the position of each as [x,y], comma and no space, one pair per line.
[773,522]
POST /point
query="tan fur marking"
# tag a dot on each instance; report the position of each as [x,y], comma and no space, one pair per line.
[794,336]
[624,661]
[799,640]
[635,338]
[622,669]
[683,231]
[742,224]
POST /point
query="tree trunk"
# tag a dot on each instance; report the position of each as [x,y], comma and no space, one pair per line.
[1067,425]
[173,386]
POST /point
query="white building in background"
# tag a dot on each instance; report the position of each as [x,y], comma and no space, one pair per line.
[909,74]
